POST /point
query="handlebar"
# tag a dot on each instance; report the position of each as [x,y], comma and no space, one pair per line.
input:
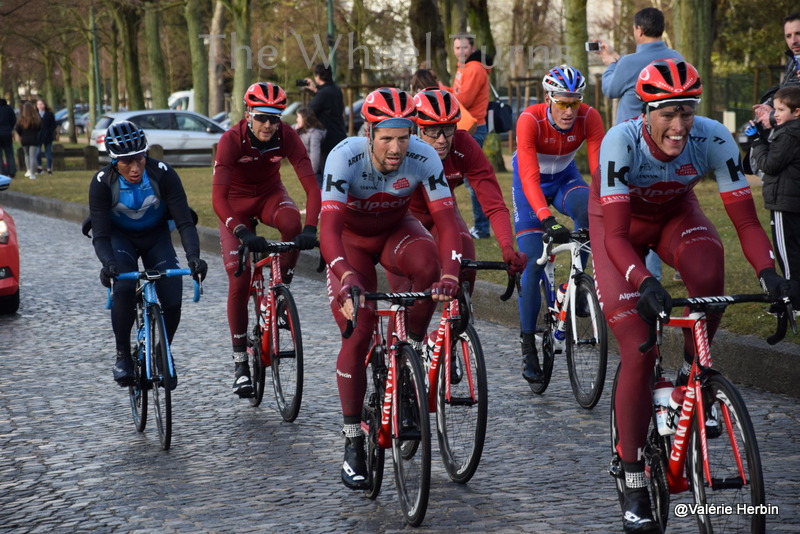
[273,247]
[513,280]
[152,275]
[405,298]
[580,236]
[783,308]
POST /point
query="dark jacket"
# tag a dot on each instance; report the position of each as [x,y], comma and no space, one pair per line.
[28,136]
[48,132]
[170,189]
[328,105]
[8,119]
[779,160]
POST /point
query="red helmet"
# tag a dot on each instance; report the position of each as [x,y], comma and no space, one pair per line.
[436,106]
[389,103]
[266,97]
[668,79]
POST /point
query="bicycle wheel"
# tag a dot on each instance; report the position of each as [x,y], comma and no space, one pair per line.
[461,420]
[587,344]
[371,420]
[655,454]
[411,443]
[728,488]
[159,366]
[544,328]
[138,391]
[257,371]
[287,355]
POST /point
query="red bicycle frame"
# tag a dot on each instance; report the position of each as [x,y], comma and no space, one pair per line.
[266,300]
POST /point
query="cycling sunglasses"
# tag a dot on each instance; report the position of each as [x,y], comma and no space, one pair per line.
[566,105]
[264,117]
[127,160]
[434,133]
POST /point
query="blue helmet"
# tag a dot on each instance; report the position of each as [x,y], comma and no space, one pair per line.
[564,80]
[125,139]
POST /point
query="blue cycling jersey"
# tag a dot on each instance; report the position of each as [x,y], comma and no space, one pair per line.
[139,207]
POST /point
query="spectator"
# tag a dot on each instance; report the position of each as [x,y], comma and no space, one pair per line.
[312,133]
[46,136]
[779,160]
[764,111]
[328,104]
[471,87]
[8,119]
[28,129]
[425,79]
[619,80]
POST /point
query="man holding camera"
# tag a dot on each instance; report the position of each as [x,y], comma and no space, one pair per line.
[328,104]
[619,80]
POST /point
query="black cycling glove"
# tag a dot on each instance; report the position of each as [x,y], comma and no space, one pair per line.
[654,302]
[307,239]
[774,284]
[199,268]
[108,272]
[250,240]
[557,232]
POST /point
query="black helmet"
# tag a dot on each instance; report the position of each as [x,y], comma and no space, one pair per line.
[125,139]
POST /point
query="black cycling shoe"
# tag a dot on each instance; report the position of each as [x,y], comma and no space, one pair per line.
[242,383]
[354,466]
[456,374]
[637,517]
[531,371]
[123,369]
[582,305]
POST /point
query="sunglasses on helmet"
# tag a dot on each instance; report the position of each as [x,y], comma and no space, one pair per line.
[434,133]
[565,105]
[265,117]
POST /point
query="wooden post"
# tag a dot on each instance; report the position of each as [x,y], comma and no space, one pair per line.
[91,158]
[156,152]
[58,157]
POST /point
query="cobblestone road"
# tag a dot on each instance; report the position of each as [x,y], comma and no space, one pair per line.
[72,461]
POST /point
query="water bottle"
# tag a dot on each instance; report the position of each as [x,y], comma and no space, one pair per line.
[561,327]
[662,393]
[675,406]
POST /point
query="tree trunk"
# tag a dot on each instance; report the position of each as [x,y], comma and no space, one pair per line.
[127,19]
[192,12]
[241,62]
[694,33]
[216,62]
[155,56]
[478,20]
[427,33]
[67,70]
[114,51]
[576,36]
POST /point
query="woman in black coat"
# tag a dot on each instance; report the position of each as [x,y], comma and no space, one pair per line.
[47,135]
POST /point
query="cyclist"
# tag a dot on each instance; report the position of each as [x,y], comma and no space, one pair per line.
[131,202]
[544,174]
[368,185]
[247,187]
[438,112]
[642,198]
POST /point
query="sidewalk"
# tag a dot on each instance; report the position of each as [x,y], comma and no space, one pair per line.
[744,359]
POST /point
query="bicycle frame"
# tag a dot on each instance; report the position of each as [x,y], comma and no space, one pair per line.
[443,349]
[266,295]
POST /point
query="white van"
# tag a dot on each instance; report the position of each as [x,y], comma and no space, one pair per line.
[181,100]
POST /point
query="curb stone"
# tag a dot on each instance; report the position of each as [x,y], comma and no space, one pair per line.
[744,359]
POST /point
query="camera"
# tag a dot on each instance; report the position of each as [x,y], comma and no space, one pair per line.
[301,83]
[592,46]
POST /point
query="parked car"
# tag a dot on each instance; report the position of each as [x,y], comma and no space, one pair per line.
[9,259]
[172,129]
[515,110]
[358,120]
[81,122]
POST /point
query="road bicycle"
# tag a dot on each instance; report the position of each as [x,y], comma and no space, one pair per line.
[715,455]
[153,367]
[570,320]
[455,365]
[395,413]
[274,338]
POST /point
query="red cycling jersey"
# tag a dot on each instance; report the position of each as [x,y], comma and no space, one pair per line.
[543,150]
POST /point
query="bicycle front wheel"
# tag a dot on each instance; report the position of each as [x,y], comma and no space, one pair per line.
[587,344]
[411,443]
[257,371]
[371,420]
[736,481]
[159,367]
[287,355]
[138,391]
[461,415]
[544,329]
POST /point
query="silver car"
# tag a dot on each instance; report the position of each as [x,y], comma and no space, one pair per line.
[186,137]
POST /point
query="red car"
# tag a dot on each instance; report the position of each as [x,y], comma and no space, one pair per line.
[9,259]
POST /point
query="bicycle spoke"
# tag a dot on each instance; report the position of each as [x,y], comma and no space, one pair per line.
[287,356]
[586,344]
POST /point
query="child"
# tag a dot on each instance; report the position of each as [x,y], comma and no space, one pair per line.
[779,160]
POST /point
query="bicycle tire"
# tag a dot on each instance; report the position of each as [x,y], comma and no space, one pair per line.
[371,420]
[728,487]
[544,328]
[412,472]
[587,357]
[655,456]
[137,392]
[461,421]
[159,366]
[287,355]
[258,373]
